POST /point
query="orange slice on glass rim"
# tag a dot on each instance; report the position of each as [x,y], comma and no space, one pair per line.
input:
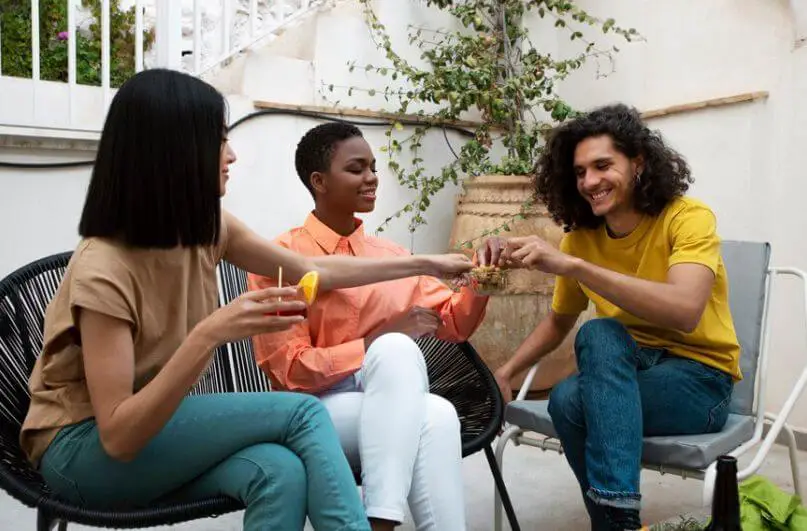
[309,285]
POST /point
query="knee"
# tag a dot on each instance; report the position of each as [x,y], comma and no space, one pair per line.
[442,416]
[564,401]
[598,334]
[270,470]
[307,408]
[395,351]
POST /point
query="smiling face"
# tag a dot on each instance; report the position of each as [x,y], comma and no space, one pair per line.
[350,183]
[605,176]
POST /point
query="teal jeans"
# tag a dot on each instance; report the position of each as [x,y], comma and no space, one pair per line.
[278,453]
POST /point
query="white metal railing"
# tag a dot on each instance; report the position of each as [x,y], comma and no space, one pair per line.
[191,35]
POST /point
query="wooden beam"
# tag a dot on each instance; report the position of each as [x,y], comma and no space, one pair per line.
[382,115]
[363,113]
[705,104]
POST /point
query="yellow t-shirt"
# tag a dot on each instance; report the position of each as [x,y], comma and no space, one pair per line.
[684,232]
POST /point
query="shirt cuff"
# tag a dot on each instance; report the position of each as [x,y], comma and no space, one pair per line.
[347,357]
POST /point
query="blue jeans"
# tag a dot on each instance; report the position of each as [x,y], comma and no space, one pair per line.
[621,393]
[278,453]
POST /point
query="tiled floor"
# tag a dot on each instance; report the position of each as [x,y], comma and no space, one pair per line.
[543,489]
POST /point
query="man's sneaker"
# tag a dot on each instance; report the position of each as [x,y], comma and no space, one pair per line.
[622,519]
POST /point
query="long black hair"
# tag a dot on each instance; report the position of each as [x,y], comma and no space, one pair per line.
[156,179]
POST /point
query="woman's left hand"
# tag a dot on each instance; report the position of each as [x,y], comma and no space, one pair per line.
[534,253]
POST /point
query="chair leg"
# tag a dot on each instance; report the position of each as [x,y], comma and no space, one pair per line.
[508,435]
[794,459]
[45,522]
[501,489]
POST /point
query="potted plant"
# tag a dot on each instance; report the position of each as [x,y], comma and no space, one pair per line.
[486,68]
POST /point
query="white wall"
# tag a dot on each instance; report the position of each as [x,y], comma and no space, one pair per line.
[39,209]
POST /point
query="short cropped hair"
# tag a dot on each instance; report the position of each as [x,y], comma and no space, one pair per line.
[315,150]
[156,179]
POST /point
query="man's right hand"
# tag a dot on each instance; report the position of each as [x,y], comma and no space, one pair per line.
[491,252]
[503,381]
[415,323]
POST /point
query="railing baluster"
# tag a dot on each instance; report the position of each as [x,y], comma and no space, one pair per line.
[1,50]
[71,59]
[280,20]
[35,40]
[225,28]
[34,57]
[253,18]
[169,34]
[105,45]
[197,36]
[138,35]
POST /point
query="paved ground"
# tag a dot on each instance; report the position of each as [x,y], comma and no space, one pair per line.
[543,489]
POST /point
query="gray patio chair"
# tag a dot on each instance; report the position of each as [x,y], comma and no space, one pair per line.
[694,456]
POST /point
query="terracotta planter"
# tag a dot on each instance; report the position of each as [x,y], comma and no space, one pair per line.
[488,202]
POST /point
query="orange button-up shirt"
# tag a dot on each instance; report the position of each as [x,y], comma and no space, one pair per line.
[329,346]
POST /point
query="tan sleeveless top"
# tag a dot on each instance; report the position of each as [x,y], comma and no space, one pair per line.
[161,293]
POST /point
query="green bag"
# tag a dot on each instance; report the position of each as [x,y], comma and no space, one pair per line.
[765,507]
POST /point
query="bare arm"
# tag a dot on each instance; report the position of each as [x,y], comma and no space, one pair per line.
[546,337]
[127,421]
[677,303]
[249,251]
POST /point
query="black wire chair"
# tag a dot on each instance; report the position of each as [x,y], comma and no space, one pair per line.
[24,295]
[455,370]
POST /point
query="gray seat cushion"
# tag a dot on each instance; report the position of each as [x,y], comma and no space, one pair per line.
[693,452]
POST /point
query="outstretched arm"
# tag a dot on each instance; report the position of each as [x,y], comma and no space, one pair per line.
[247,250]
[675,302]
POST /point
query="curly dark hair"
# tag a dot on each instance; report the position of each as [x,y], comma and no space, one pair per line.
[666,174]
[315,149]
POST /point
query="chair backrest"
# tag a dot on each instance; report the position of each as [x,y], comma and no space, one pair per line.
[457,373]
[747,269]
[245,373]
[24,296]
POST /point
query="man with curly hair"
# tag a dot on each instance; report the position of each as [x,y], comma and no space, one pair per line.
[662,356]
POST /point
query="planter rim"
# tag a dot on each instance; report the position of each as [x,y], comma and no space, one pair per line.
[493,180]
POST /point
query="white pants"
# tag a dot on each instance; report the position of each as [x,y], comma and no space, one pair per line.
[406,440]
